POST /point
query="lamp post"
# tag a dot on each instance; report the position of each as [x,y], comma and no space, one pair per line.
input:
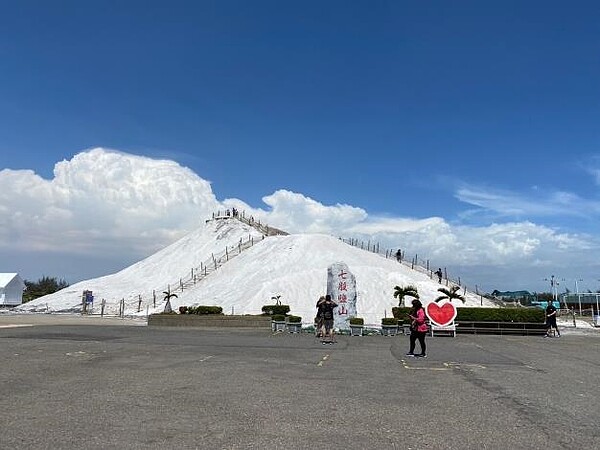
[553,286]
[578,296]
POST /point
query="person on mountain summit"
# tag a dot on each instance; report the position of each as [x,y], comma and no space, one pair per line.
[399,255]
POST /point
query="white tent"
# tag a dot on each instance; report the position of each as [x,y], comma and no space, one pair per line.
[11,289]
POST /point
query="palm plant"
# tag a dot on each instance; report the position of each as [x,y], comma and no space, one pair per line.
[450,294]
[407,291]
[168,297]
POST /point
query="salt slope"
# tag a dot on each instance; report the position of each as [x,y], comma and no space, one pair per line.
[295,267]
[156,272]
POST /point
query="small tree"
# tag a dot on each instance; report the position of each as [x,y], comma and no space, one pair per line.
[44,286]
[407,291]
[168,297]
[450,294]
[277,299]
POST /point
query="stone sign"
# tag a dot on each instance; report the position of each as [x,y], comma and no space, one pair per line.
[341,285]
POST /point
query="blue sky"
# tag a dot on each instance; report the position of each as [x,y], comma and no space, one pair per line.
[479,114]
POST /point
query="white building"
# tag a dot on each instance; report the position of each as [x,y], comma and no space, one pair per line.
[11,289]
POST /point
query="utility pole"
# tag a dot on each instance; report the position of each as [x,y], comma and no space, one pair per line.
[554,286]
[577,292]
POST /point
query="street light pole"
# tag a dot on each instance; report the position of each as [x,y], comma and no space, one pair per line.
[553,288]
[554,285]
[578,296]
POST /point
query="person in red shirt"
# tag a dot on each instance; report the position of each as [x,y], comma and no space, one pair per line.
[418,329]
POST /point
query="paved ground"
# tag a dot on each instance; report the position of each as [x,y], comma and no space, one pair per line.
[67,385]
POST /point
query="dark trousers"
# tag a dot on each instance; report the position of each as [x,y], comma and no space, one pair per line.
[551,323]
[420,335]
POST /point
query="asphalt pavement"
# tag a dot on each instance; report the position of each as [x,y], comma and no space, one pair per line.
[65,384]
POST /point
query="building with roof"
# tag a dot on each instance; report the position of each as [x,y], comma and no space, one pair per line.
[523,297]
[588,302]
[11,289]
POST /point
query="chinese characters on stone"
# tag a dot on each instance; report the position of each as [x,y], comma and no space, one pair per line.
[342,298]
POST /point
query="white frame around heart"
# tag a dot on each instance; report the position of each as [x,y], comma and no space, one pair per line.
[440,306]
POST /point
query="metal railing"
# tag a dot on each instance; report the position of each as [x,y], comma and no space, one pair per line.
[415,263]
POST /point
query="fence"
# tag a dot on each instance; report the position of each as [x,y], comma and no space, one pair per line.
[415,263]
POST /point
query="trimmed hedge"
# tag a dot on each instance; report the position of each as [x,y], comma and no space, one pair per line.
[389,321]
[270,310]
[201,310]
[501,314]
[278,318]
[294,319]
[357,321]
[487,314]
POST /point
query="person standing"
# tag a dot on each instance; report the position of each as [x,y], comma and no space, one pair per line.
[418,329]
[551,319]
[328,307]
[439,274]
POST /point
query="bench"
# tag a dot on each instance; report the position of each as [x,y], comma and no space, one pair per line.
[451,329]
[502,328]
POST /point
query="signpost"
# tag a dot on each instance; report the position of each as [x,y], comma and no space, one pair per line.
[87,299]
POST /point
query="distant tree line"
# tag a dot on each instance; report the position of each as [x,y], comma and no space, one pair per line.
[43,286]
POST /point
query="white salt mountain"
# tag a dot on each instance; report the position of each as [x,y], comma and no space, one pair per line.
[293,267]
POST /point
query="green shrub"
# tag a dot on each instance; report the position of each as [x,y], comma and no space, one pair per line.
[183,310]
[486,314]
[204,310]
[270,310]
[389,321]
[278,318]
[294,319]
[501,314]
[357,321]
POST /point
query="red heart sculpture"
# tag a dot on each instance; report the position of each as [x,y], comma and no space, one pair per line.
[441,315]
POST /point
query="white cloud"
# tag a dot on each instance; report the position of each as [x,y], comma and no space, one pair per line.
[299,213]
[102,200]
[502,203]
[296,213]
